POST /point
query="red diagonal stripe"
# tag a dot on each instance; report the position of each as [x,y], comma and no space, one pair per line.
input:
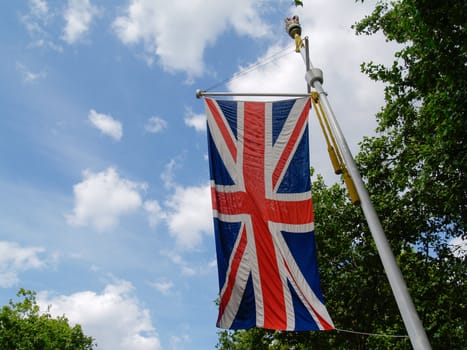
[235,264]
[293,139]
[223,127]
[322,321]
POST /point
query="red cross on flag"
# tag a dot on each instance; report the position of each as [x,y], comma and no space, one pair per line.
[263,216]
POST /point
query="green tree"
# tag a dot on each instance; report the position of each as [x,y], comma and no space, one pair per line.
[23,327]
[415,169]
[415,173]
[421,155]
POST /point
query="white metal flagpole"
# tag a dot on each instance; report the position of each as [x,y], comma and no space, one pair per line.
[314,77]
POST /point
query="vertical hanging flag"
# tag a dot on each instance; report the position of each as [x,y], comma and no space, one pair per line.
[263,216]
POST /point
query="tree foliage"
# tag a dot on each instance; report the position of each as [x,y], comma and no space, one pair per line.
[414,170]
[423,150]
[23,327]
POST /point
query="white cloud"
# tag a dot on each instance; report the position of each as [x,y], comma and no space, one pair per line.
[37,22]
[106,124]
[27,75]
[14,259]
[168,175]
[155,212]
[39,8]
[177,341]
[213,264]
[189,268]
[459,247]
[101,198]
[78,17]
[115,318]
[197,121]
[155,124]
[163,286]
[187,210]
[161,26]
[283,74]
[186,268]
[189,215]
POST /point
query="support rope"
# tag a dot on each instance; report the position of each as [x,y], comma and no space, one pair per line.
[372,334]
[274,57]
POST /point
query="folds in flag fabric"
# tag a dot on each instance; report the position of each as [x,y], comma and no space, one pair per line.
[263,216]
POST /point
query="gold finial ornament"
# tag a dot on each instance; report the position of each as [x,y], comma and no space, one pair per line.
[293,27]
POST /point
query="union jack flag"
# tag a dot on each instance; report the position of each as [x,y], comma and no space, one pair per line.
[263,216]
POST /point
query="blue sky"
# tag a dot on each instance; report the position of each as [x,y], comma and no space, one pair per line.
[104,200]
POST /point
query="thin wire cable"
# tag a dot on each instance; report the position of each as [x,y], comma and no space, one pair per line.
[373,334]
[279,54]
[251,69]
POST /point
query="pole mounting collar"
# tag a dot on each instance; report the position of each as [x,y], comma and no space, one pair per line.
[314,74]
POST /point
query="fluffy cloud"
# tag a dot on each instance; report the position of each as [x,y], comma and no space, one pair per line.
[189,268]
[186,268]
[114,317]
[155,124]
[37,22]
[459,247]
[338,52]
[40,20]
[27,75]
[155,212]
[39,8]
[101,198]
[106,124]
[189,215]
[178,341]
[196,121]
[162,25]
[163,286]
[187,210]
[78,17]
[168,174]
[14,258]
